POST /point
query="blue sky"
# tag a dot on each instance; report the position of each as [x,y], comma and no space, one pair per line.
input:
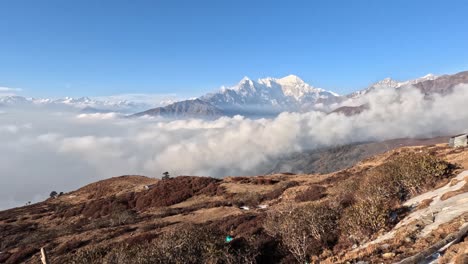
[91,47]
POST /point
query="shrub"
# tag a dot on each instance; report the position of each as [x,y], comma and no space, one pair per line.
[264,181]
[53,194]
[122,217]
[279,190]
[248,224]
[175,190]
[186,244]
[365,218]
[189,244]
[411,173]
[304,230]
[4,256]
[70,246]
[93,255]
[247,198]
[312,193]
[22,254]
[383,189]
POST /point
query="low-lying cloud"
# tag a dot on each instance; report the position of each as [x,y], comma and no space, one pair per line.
[46,151]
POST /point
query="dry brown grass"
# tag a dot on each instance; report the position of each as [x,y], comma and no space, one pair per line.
[204,215]
[207,202]
[312,193]
[457,254]
[109,187]
[425,203]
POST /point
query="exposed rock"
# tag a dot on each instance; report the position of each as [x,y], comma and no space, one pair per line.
[388,255]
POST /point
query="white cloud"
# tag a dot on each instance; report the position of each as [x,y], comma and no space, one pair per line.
[98,116]
[63,151]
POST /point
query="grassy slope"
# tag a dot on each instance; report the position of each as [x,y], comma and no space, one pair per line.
[122,210]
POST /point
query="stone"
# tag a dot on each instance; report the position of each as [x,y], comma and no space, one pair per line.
[388,255]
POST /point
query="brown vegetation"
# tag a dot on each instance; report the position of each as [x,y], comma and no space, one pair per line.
[176,190]
[312,193]
[304,217]
[448,195]
[304,230]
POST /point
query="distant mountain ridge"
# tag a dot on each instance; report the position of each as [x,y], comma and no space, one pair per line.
[187,108]
[271,96]
[83,104]
[391,83]
[263,98]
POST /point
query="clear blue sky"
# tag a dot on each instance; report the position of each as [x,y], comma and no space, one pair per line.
[92,47]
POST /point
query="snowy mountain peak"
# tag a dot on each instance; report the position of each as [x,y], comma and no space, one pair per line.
[289,93]
[291,80]
[387,82]
[426,77]
[429,76]
[245,80]
[393,84]
[245,86]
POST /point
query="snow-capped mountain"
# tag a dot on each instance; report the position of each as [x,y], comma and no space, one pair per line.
[263,97]
[428,85]
[393,84]
[14,100]
[269,95]
[85,104]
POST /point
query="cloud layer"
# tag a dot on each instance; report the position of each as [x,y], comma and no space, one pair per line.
[45,151]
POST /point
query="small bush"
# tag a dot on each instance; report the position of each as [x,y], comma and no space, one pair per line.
[70,246]
[247,198]
[276,193]
[264,181]
[365,218]
[241,225]
[22,254]
[92,255]
[4,256]
[312,193]
[305,230]
[176,190]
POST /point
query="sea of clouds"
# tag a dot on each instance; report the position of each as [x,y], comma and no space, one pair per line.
[45,150]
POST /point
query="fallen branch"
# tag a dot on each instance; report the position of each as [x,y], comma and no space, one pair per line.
[450,239]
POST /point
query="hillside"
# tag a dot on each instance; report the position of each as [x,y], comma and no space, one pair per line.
[188,108]
[135,219]
[327,160]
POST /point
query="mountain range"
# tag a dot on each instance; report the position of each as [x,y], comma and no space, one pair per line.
[81,104]
[261,98]
[271,96]
[264,97]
